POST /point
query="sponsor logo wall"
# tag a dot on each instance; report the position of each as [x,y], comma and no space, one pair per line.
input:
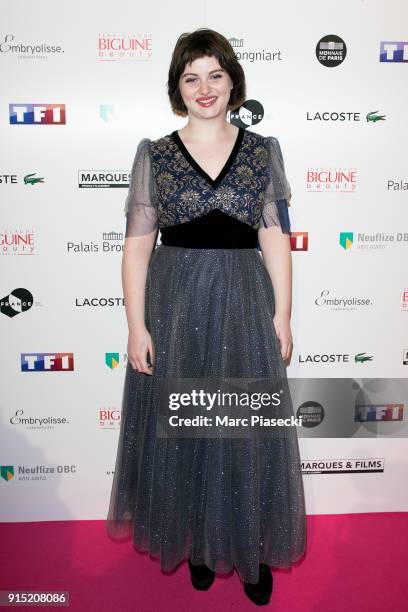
[77,97]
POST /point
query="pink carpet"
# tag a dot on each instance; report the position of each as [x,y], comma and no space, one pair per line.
[355,562]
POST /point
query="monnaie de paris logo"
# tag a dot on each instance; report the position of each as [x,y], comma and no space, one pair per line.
[331,51]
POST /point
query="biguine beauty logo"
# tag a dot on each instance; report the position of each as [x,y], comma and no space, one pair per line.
[109,418]
[17,242]
[331,180]
[118,46]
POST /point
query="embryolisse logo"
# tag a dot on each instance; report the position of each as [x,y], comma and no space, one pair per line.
[325,300]
[249,113]
[22,50]
[331,51]
[43,422]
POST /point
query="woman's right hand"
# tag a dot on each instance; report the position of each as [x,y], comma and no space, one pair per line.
[140,344]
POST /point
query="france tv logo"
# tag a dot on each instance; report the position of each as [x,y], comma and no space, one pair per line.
[37,114]
[47,362]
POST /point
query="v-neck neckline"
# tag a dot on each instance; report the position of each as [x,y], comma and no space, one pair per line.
[224,170]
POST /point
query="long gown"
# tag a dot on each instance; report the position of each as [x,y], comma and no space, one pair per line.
[229,502]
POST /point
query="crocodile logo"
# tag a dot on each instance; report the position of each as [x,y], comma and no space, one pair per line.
[374,117]
[362,357]
[30,179]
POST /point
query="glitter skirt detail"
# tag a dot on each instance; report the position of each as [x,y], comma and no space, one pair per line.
[228,503]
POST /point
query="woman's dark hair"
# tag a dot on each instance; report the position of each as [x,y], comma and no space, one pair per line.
[193,45]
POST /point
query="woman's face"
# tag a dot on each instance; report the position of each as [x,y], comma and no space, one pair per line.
[205,88]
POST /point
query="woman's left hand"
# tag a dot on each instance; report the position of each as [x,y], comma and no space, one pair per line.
[284,334]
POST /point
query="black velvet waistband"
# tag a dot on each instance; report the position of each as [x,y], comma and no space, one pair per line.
[215,230]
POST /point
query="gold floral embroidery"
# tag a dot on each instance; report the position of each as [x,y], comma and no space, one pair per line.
[184,194]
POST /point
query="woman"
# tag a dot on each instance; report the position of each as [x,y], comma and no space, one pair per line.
[205,305]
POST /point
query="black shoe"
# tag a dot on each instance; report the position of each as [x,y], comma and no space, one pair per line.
[202,576]
[260,593]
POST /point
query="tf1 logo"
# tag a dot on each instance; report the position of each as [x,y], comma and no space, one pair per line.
[37,114]
[47,362]
[379,412]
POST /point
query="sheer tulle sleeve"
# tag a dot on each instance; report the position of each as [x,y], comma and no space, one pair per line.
[278,192]
[141,202]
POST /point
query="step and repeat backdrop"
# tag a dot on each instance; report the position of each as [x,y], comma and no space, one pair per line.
[81,86]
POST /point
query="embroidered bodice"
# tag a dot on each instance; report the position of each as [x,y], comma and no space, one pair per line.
[169,188]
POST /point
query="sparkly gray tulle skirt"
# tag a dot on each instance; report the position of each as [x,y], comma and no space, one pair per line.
[226,502]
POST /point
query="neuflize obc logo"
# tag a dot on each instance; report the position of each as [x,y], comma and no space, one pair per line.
[37,114]
[47,362]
